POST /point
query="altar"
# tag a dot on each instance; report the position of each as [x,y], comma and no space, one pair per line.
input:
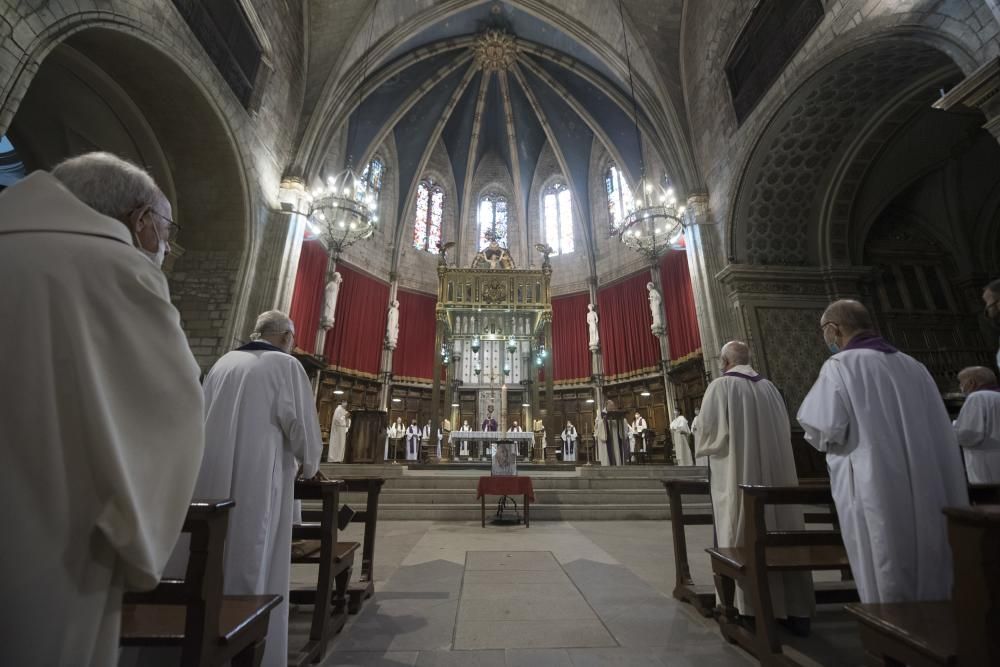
[493,336]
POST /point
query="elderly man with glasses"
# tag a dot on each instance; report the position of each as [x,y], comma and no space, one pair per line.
[894,463]
[102,419]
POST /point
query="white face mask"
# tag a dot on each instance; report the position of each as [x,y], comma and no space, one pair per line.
[161,249]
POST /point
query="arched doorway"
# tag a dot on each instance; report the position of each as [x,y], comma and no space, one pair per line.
[101,89]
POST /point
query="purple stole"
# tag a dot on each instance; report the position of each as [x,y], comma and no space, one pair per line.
[870,341]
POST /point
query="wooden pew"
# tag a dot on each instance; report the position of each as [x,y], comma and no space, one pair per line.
[765,551]
[702,597]
[358,592]
[962,631]
[335,560]
[211,629]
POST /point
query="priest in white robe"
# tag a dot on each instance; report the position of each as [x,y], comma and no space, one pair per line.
[261,426]
[516,428]
[338,433]
[412,435]
[465,443]
[569,442]
[638,433]
[601,439]
[747,438]
[978,425]
[695,428]
[893,457]
[102,412]
[679,432]
[395,433]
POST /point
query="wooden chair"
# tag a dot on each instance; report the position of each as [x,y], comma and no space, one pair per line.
[768,551]
[211,628]
[962,631]
[702,597]
[335,560]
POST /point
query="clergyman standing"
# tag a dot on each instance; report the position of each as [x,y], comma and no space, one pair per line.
[978,424]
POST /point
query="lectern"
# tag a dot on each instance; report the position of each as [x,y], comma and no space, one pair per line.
[366,437]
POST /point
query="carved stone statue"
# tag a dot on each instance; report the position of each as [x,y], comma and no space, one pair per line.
[655,308]
[592,326]
[392,326]
[330,294]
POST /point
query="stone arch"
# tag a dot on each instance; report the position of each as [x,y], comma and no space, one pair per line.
[785,183]
[149,107]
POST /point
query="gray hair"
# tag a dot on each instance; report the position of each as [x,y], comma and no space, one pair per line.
[108,184]
[736,352]
[981,375]
[994,287]
[271,323]
[850,315]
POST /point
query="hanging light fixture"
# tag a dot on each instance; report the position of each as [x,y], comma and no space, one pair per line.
[343,211]
[657,222]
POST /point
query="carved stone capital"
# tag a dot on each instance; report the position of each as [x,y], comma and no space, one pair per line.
[978,90]
[697,212]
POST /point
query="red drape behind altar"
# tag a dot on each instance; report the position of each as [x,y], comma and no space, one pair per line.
[359,324]
[678,300]
[570,354]
[307,299]
[414,355]
[628,345]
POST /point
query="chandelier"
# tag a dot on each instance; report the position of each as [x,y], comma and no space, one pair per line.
[657,222]
[344,212]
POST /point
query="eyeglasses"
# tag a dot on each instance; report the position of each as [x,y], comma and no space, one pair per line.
[824,325]
[172,226]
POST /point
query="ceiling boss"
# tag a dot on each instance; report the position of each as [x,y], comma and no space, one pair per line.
[496,50]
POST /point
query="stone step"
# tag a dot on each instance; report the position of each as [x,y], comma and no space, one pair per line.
[554,497]
[539,512]
[539,483]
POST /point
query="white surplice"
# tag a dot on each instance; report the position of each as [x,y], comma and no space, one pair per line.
[569,443]
[260,424]
[695,428]
[338,435]
[978,432]
[679,431]
[101,425]
[465,443]
[894,464]
[412,434]
[745,434]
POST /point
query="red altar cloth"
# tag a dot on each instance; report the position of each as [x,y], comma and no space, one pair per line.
[505,486]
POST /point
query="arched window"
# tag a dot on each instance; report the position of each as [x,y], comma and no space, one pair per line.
[427,222]
[492,218]
[620,201]
[557,218]
[371,181]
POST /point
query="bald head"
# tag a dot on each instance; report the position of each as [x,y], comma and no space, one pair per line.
[734,353]
[851,316]
[975,377]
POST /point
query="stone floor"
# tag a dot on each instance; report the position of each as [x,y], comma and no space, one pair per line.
[556,594]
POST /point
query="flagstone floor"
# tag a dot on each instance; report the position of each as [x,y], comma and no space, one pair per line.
[583,594]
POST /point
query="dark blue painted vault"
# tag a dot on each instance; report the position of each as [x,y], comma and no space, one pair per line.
[555,82]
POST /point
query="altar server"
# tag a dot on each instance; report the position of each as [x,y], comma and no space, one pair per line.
[569,442]
[260,426]
[745,434]
[679,431]
[893,459]
[395,433]
[465,443]
[338,433]
[638,433]
[515,428]
[425,435]
[413,441]
[101,420]
[978,425]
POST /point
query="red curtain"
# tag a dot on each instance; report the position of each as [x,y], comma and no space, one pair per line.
[570,353]
[307,299]
[628,345]
[678,299]
[414,355]
[359,324]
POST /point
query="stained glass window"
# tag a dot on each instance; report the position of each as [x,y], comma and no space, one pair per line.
[427,221]
[557,218]
[371,181]
[620,200]
[492,218]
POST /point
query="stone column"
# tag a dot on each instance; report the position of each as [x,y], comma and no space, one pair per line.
[980,91]
[596,358]
[331,268]
[663,336]
[551,428]
[706,257]
[385,374]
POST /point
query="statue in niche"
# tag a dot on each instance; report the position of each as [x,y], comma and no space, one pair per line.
[492,256]
[592,327]
[392,325]
[655,308]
